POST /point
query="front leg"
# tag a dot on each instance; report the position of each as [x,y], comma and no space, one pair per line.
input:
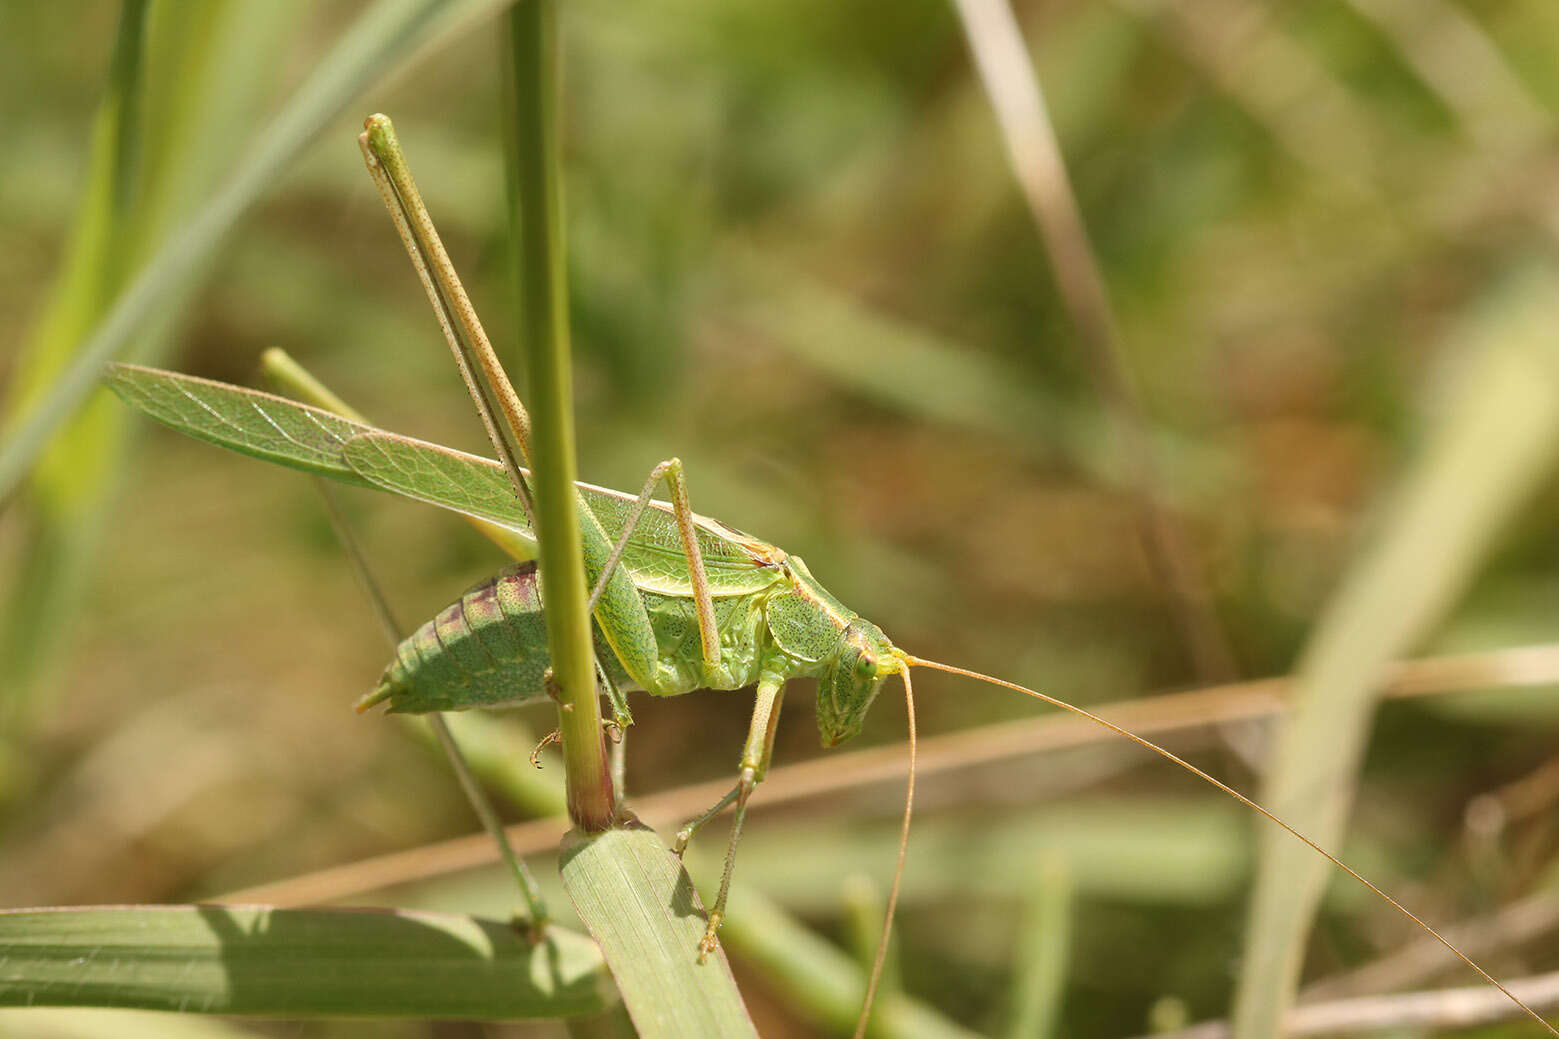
[756,754]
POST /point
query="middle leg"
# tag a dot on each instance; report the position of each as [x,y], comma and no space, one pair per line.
[703,599]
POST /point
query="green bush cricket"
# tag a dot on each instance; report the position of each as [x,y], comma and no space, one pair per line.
[681,602]
[773,621]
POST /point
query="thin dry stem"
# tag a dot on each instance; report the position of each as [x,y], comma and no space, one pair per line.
[1172,712]
[1440,1008]
[1035,154]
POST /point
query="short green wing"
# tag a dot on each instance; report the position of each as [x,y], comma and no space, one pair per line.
[279,430]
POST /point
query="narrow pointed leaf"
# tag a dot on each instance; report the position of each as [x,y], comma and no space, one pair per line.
[300,436]
[294,963]
[304,437]
[247,421]
[450,479]
[479,487]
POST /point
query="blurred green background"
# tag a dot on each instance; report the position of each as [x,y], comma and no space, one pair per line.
[800,262]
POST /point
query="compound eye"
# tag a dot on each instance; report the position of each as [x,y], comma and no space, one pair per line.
[865,666]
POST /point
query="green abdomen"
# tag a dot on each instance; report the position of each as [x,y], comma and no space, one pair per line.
[486,649]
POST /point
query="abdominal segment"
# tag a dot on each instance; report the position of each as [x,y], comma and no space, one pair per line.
[486,649]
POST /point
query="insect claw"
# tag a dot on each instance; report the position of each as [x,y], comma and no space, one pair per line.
[614,730]
[532,929]
[552,737]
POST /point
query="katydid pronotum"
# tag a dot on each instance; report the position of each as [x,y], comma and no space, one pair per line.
[680,602]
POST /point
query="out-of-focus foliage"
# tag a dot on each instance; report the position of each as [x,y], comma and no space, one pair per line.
[800,263]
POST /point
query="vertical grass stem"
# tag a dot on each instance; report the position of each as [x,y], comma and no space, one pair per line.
[532,85]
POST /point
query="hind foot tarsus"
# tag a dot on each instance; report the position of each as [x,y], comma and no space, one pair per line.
[709,943]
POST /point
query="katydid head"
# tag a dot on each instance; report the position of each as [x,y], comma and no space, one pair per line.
[852,679]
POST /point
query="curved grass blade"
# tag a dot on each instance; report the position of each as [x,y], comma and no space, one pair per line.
[384,36]
[162,136]
[295,963]
[1493,442]
[638,902]
[71,480]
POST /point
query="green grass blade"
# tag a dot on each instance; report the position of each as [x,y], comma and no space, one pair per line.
[638,902]
[382,37]
[1493,442]
[76,475]
[1044,950]
[257,424]
[294,963]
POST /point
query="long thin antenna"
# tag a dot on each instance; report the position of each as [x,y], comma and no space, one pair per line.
[898,870]
[915,661]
